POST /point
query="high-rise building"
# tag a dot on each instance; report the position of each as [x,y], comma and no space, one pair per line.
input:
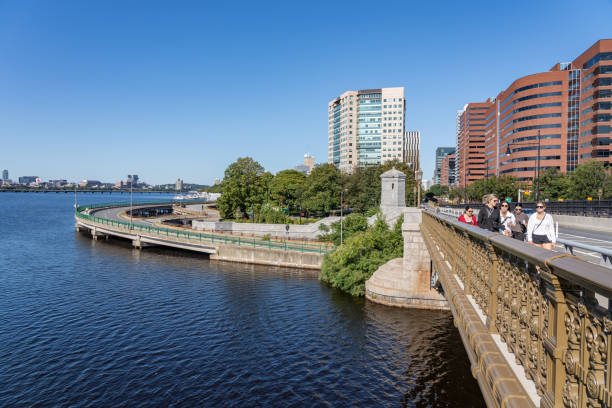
[470,158]
[366,127]
[447,170]
[178,186]
[441,153]
[5,174]
[564,113]
[412,147]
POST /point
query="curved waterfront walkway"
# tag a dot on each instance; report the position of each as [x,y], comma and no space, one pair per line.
[104,220]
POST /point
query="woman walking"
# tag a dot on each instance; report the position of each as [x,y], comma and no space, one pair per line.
[488,217]
[506,218]
[541,228]
[468,216]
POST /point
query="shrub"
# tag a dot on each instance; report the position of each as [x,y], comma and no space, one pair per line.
[349,266]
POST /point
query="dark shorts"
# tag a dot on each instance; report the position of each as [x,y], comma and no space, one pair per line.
[518,235]
[540,239]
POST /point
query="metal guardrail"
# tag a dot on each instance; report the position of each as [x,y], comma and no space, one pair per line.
[195,237]
[583,208]
[542,305]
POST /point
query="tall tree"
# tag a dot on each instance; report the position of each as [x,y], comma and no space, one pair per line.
[586,180]
[285,188]
[244,187]
[321,190]
[553,184]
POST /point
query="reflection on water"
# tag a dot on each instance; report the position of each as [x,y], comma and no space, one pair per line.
[98,323]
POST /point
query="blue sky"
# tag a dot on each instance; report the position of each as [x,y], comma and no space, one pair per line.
[102,89]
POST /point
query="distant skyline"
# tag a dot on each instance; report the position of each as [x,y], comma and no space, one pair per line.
[99,90]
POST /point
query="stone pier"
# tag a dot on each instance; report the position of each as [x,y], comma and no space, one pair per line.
[406,282]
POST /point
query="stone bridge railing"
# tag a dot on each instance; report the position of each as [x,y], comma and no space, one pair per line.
[536,324]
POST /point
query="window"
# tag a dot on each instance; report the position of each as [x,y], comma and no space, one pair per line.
[602,56]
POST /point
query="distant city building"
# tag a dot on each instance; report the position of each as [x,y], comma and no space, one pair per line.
[178,185]
[426,184]
[27,180]
[567,110]
[132,180]
[57,183]
[308,165]
[217,181]
[5,174]
[441,153]
[412,146]
[90,183]
[447,170]
[366,128]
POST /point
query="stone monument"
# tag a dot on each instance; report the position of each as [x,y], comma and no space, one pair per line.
[392,194]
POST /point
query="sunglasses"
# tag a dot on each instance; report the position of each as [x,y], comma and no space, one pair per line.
[470,211]
[539,206]
[504,205]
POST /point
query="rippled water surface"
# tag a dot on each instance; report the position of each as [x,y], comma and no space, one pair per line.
[88,323]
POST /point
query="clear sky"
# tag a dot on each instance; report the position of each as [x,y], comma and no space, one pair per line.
[101,89]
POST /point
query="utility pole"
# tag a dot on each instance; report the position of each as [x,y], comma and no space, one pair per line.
[131,202]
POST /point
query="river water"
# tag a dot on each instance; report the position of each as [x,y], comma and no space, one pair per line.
[88,323]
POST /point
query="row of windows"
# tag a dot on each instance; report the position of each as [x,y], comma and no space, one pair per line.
[534,127]
[524,98]
[602,56]
[596,153]
[533,117]
[542,137]
[527,148]
[527,169]
[540,85]
[522,159]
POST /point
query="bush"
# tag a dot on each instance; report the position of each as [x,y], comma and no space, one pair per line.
[352,224]
[349,266]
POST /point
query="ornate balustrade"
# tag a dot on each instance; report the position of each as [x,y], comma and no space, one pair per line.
[536,324]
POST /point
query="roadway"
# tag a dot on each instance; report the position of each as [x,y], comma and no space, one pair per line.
[589,237]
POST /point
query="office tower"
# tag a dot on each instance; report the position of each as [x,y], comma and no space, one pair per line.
[564,114]
[447,170]
[5,175]
[412,146]
[441,153]
[366,127]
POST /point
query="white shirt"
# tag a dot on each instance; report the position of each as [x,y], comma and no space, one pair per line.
[506,220]
[545,226]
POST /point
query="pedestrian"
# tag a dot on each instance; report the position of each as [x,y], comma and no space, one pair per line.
[520,226]
[488,217]
[468,216]
[506,218]
[541,228]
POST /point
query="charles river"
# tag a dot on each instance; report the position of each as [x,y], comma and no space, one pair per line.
[88,323]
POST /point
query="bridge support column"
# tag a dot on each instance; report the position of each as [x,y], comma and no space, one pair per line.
[138,244]
[95,235]
[406,281]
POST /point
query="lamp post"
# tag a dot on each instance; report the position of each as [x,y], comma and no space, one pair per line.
[419,175]
[539,144]
[131,202]
[341,212]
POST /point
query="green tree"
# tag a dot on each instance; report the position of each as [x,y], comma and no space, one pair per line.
[553,184]
[244,187]
[586,180]
[502,186]
[321,190]
[607,185]
[437,190]
[351,225]
[349,266]
[363,187]
[285,188]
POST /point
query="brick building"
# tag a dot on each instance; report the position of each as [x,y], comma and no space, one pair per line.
[565,113]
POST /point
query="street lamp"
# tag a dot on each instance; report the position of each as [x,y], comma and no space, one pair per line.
[508,152]
[131,186]
[341,208]
[419,175]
